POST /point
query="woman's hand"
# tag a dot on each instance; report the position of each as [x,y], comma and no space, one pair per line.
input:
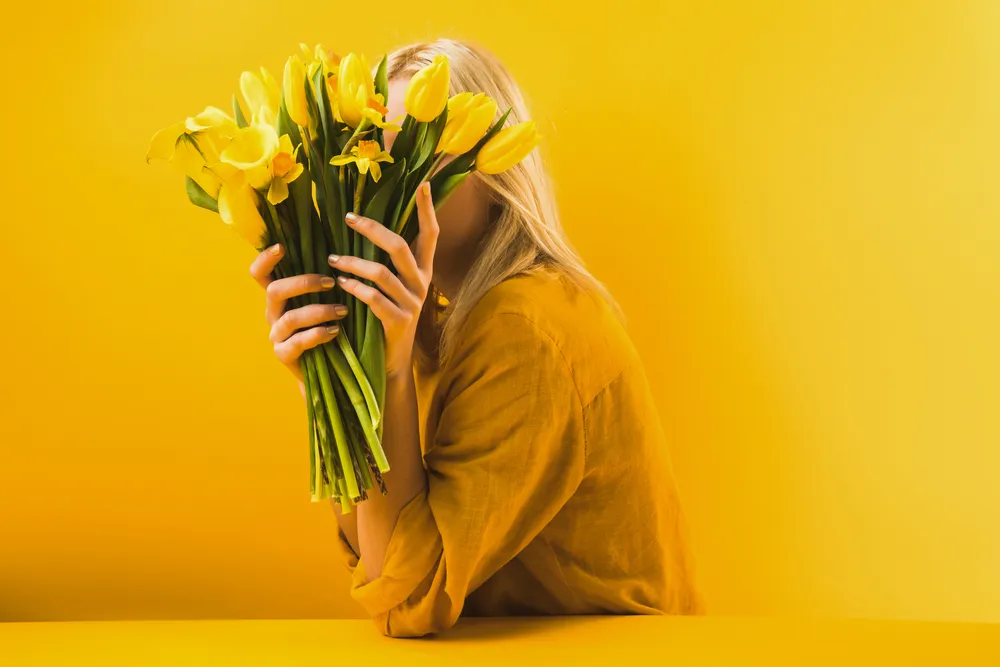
[295,331]
[398,299]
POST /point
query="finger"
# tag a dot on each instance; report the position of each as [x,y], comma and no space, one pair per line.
[279,291]
[380,274]
[264,263]
[306,316]
[288,351]
[394,244]
[426,241]
[384,309]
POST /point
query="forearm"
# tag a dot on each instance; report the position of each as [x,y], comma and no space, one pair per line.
[376,517]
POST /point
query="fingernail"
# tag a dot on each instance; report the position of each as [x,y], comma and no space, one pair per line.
[276,249]
[342,279]
[340,309]
[334,258]
[332,330]
[327,282]
[351,218]
[427,188]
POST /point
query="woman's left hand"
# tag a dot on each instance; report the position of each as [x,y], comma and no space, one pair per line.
[398,299]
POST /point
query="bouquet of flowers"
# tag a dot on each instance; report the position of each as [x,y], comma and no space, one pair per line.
[312,151]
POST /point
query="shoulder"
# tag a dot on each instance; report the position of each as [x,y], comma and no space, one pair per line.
[543,316]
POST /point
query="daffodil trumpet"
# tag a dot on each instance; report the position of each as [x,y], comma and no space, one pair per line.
[287,165]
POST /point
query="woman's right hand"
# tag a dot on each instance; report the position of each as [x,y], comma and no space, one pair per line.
[296,330]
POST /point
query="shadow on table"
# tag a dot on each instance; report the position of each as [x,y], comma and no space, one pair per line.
[487,628]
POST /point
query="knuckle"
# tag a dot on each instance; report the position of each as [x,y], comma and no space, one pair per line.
[273,290]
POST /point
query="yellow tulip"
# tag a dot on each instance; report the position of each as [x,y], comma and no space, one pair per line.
[331,65]
[317,56]
[508,147]
[260,91]
[284,169]
[295,93]
[367,155]
[469,116]
[251,152]
[238,208]
[356,91]
[427,92]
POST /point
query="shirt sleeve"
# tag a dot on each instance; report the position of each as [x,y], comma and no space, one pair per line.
[507,454]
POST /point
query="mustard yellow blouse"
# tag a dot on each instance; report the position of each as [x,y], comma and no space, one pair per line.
[550,487]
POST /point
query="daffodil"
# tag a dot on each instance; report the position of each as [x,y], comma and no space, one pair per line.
[367,155]
[261,94]
[427,92]
[356,90]
[194,145]
[376,118]
[469,116]
[284,169]
[508,147]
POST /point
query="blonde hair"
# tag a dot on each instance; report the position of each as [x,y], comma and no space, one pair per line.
[526,235]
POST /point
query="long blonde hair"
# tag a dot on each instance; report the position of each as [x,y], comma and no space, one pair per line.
[526,235]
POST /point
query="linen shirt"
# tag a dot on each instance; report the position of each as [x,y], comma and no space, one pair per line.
[550,488]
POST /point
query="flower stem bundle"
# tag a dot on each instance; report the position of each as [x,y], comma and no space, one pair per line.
[287,166]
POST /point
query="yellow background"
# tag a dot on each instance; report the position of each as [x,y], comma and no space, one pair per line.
[796,204]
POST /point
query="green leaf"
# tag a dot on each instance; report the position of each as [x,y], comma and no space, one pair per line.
[241,121]
[404,139]
[442,188]
[325,110]
[379,203]
[382,80]
[286,126]
[314,112]
[198,196]
[427,143]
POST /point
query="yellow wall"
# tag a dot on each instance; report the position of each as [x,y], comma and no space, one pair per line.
[795,202]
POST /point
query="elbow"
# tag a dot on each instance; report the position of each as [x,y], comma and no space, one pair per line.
[415,622]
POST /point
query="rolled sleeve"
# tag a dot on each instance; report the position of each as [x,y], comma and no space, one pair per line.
[507,454]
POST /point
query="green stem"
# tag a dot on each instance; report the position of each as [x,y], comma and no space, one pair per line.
[350,374]
[338,430]
[413,198]
[359,243]
[312,360]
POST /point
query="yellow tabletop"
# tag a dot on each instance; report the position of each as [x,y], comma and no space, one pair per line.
[605,641]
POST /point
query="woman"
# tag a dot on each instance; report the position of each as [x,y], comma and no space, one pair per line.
[534,478]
